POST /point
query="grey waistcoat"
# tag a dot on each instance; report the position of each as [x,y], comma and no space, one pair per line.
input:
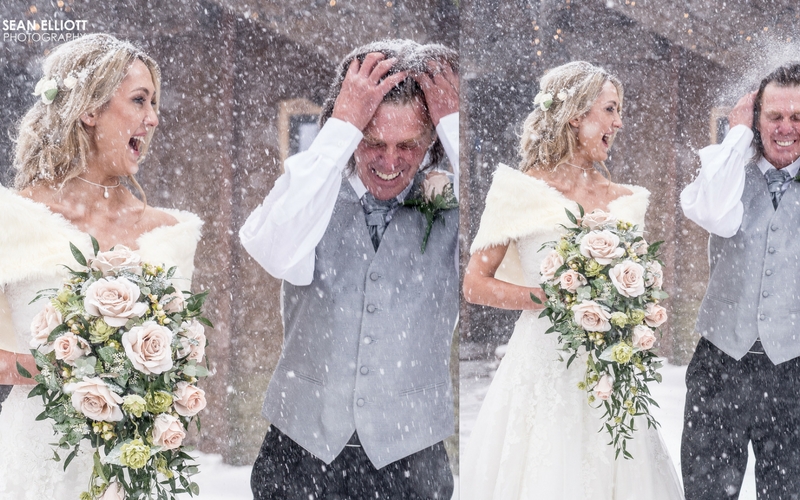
[367,344]
[754,289]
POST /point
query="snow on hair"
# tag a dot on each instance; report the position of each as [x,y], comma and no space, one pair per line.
[52,143]
[412,57]
[547,138]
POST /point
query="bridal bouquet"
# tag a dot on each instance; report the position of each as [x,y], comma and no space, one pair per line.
[603,286]
[119,351]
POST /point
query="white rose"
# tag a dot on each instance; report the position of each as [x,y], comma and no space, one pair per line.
[572,280]
[43,324]
[655,274]
[590,316]
[550,265]
[188,399]
[192,341]
[115,300]
[93,398]
[114,491]
[628,278]
[434,184]
[655,315]
[643,337]
[168,431]
[47,89]
[604,388]
[640,247]
[602,246]
[598,219]
[174,302]
[121,258]
[69,347]
[149,347]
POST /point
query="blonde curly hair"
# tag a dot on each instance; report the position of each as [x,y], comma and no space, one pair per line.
[547,139]
[52,143]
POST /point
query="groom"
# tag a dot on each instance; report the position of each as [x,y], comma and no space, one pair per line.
[743,383]
[361,398]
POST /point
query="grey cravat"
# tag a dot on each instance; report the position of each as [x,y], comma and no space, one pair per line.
[775,181]
[377,214]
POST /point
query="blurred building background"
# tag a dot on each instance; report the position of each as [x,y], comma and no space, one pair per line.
[682,63]
[241,81]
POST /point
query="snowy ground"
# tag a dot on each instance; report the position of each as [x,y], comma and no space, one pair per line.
[476,377]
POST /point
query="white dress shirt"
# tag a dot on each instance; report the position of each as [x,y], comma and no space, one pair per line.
[714,199]
[282,233]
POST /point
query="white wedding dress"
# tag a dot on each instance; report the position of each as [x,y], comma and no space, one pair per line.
[34,246]
[536,437]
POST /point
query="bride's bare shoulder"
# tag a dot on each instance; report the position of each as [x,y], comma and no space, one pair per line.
[154,218]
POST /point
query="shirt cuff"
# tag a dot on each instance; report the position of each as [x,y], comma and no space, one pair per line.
[739,139]
[448,134]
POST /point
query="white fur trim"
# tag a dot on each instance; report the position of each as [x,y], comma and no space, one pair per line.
[35,242]
[519,205]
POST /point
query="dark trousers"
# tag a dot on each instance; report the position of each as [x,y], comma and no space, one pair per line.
[286,471]
[730,403]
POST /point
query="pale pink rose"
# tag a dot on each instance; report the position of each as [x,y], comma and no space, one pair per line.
[550,265]
[43,324]
[114,491]
[93,398]
[655,315]
[188,399]
[192,341]
[174,302]
[590,316]
[640,247]
[628,278]
[434,184]
[115,300]
[602,246]
[149,347]
[121,258]
[655,274]
[598,219]
[168,431]
[604,388]
[69,347]
[643,337]
[572,280]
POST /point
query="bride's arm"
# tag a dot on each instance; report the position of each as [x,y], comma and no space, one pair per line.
[481,287]
[8,368]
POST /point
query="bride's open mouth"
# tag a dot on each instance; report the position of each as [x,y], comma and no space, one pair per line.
[135,143]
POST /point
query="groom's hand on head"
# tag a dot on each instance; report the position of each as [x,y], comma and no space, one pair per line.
[441,87]
[742,112]
[363,90]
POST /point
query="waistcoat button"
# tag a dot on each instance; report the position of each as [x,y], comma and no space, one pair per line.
[367,340]
[769,272]
[374,276]
[771,250]
[360,402]
[765,294]
[762,317]
[371,308]
[364,370]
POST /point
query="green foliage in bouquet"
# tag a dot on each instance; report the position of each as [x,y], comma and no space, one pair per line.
[119,351]
[603,286]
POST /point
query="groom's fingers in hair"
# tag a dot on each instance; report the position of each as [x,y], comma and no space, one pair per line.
[742,112]
[440,92]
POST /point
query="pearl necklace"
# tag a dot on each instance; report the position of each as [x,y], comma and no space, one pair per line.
[585,170]
[105,188]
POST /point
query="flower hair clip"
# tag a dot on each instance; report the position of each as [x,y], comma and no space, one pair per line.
[47,88]
[545,99]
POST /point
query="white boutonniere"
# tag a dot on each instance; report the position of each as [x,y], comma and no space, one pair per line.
[434,195]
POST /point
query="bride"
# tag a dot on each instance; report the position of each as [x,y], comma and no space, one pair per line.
[536,436]
[91,127]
